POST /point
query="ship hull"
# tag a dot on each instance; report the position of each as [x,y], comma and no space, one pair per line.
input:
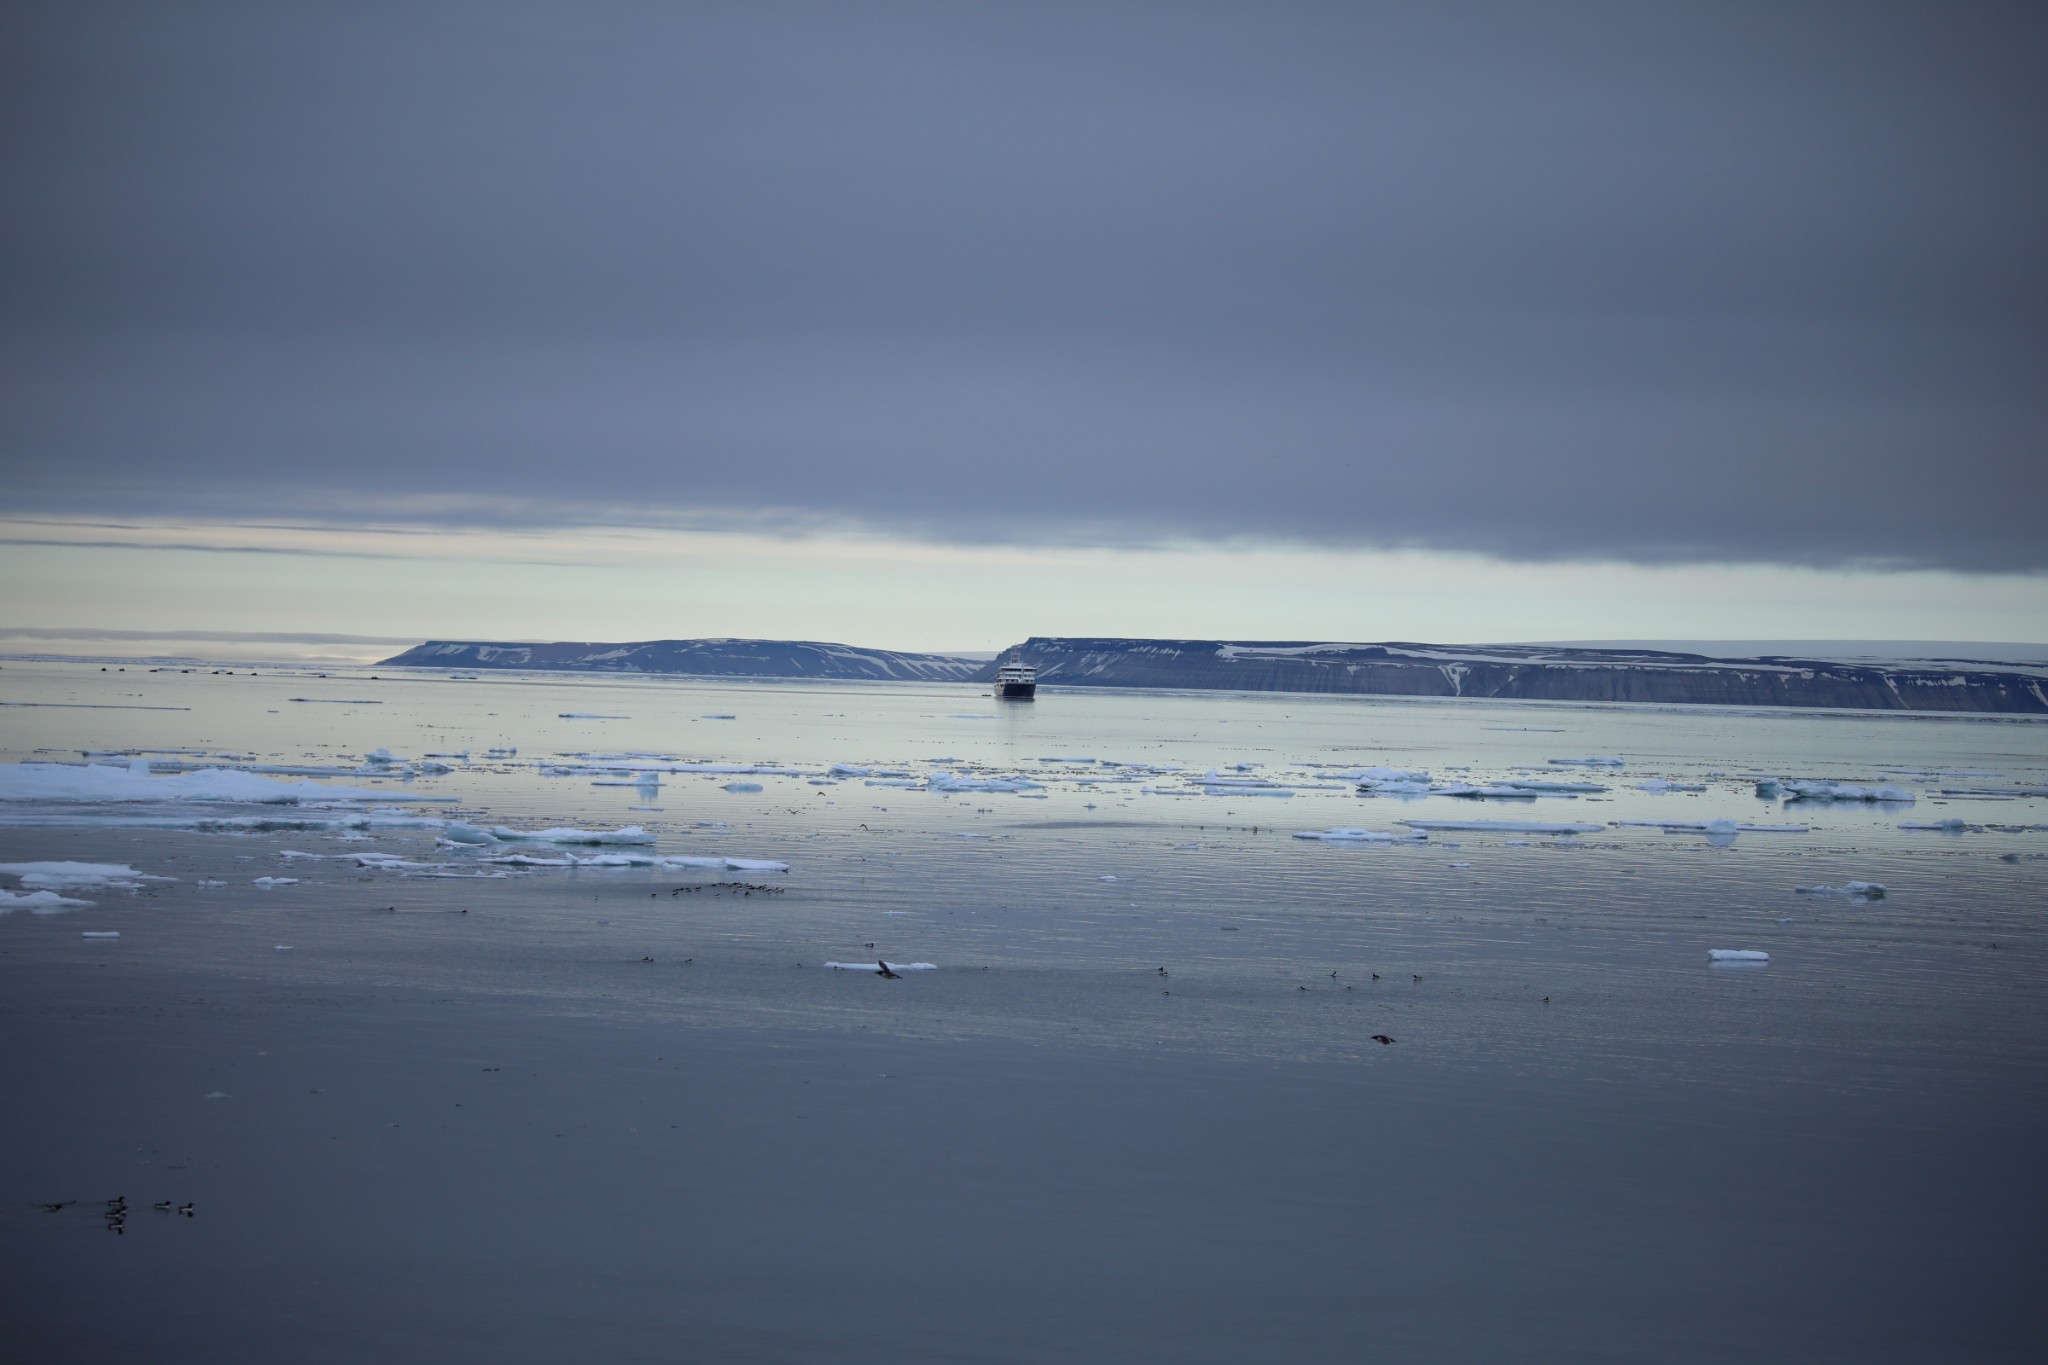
[1016,691]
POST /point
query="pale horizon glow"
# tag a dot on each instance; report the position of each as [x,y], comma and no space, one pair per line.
[392,583]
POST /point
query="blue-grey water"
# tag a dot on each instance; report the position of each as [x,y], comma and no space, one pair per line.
[1137,1111]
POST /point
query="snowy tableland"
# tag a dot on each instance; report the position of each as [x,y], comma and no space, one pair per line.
[1506,672]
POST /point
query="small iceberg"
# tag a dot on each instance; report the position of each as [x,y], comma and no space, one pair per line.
[40,902]
[67,876]
[631,834]
[1862,891]
[1814,789]
[877,966]
[1737,955]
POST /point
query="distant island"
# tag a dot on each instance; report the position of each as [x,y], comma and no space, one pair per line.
[1509,672]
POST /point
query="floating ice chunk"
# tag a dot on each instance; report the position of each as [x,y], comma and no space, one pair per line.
[587,715]
[719,715]
[631,834]
[1813,789]
[1395,787]
[1951,826]
[742,787]
[100,933]
[1461,865]
[1659,784]
[382,861]
[380,757]
[1995,793]
[1714,827]
[1737,955]
[1596,761]
[715,864]
[65,876]
[1280,792]
[847,770]
[1362,836]
[1542,788]
[100,782]
[877,967]
[1505,826]
[1374,776]
[1067,760]
[39,902]
[1864,891]
[967,782]
[463,755]
[458,832]
[277,881]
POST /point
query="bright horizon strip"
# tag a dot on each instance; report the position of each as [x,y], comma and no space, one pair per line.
[641,583]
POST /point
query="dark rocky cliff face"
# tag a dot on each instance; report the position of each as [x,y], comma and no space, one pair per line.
[710,658]
[1530,673]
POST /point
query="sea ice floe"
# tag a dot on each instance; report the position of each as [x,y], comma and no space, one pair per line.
[1814,789]
[277,881]
[1505,826]
[631,834]
[967,782]
[66,876]
[1659,784]
[1596,761]
[1737,955]
[1952,826]
[1714,827]
[877,967]
[1281,792]
[100,933]
[1375,776]
[39,902]
[1362,836]
[100,782]
[741,787]
[1460,789]
[1867,891]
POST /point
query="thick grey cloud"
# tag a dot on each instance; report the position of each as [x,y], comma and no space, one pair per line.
[1715,281]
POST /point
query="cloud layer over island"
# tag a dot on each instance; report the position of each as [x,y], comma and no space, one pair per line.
[1584,281]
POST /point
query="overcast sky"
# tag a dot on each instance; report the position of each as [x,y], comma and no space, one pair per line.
[1709,285]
